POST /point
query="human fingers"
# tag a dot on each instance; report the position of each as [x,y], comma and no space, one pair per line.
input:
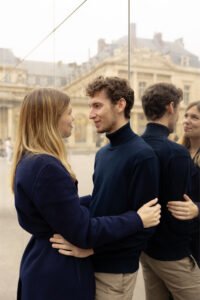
[176,204]
[151,202]
[65,252]
[157,207]
[56,240]
[181,216]
[59,239]
[187,198]
[57,235]
[180,212]
[62,246]
[179,209]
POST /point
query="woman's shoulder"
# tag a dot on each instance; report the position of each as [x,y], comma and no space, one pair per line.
[41,160]
[35,163]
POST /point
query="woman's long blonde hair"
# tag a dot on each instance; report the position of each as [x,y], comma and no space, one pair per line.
[38,127]
[185,140]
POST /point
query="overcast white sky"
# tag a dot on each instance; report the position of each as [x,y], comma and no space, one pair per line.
[23,23]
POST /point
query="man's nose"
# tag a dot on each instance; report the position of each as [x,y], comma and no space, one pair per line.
[92,114]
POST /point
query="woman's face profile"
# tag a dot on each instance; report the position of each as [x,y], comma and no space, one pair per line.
[191,122]
[65,123]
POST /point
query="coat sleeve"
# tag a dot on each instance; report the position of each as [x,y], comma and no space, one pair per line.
[56,198]
[179,183]
[85,200]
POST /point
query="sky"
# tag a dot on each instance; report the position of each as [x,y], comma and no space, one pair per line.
[24,23]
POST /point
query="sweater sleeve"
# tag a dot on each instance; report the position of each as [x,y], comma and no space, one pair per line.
[56,198]
[85,200]
[179,183]
[143,187]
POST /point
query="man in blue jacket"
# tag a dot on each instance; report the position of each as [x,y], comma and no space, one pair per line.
[126,176]
[167,262]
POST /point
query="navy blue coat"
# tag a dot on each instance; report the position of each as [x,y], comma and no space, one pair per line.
[47,202]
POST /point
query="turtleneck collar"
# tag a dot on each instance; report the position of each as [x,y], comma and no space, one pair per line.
[157,129]
[121,136]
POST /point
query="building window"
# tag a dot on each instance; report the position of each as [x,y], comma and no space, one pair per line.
[37,80]
[7,77]
[186,94]
[20,78]
[80,128]
[32,80]
[63,81]
[141,88]
[57,81]
[43,81]
[185,61]
[50,80]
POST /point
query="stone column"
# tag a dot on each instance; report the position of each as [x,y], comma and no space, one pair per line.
[10,122]
[134,84]
[3,122]
[90,142]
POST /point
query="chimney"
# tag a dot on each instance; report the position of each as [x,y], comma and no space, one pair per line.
[101,45]
[179,42]
[133,35]
[158,38]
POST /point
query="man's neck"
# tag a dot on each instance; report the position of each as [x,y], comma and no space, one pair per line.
[119,124]
[162,121]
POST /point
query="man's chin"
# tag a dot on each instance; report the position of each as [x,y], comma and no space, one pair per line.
[100,130]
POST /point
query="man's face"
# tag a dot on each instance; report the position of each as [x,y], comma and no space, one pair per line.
[103,113]
[174,118]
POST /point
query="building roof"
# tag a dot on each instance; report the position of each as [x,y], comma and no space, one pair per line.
[174,49]
[7,57]
[40,68]
[46,68]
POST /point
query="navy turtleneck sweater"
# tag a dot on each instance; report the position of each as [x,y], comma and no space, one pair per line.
[172,238]
[125,177]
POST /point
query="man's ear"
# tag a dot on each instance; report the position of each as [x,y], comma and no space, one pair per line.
[170,107]
[121,104]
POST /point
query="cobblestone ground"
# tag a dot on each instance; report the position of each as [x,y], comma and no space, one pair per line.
[14,239]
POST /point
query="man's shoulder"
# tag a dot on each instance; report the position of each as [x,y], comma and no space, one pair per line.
[175,149]
[102,149]
[140,149]
[165,147]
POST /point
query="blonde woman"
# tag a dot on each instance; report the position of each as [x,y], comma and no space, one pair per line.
[47,202]
[188,209]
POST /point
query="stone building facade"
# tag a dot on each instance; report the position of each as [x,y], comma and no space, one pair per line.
[152,60]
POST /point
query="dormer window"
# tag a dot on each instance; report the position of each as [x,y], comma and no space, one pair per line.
[186,94]
[185,61]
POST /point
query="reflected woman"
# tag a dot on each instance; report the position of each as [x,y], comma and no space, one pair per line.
[188,209]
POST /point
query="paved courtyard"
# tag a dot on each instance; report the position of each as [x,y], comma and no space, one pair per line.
[14,239]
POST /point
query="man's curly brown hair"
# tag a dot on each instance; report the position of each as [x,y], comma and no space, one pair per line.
[115,89]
